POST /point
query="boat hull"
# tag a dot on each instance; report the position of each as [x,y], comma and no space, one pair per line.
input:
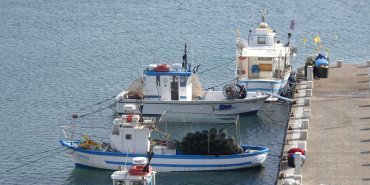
[168,163]
[221,107]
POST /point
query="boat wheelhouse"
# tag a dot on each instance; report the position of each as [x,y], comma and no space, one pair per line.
[177,88]
[263,62]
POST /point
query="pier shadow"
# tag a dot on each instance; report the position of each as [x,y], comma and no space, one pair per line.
[366,179]
[365,118]
[363,66]
[365,140]
[363,89]
[363,74]
[365,152]
[365,165]
[364,81]
[365,129]
[364,106]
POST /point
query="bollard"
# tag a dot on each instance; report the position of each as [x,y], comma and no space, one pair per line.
[305,123]
[308,92]
[339,63]
[298,161]
[307,113]
[306,101]
[309,85]
[309,73]
[368,63]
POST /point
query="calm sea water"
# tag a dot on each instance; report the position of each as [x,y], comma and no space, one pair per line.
[57,57]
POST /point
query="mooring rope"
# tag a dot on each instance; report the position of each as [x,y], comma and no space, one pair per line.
[205,71]
[34,161]
[83,108]
[50,150]
[83,115]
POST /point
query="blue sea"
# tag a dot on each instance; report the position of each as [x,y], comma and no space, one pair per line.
[62,57]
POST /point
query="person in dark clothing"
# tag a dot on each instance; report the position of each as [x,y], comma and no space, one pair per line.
[242,91]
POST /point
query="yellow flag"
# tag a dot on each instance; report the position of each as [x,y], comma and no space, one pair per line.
[316,39]
[304,40]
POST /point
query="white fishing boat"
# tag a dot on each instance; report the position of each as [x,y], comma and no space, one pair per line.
[140,173]
[177,88]
[131,137]
[263,61]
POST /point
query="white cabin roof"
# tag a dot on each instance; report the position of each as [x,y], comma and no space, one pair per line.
[263,52]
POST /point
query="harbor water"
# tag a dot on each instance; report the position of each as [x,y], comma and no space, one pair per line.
[63,57]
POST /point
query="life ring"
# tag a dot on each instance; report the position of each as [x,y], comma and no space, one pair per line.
[129,118]
[242,58]
[162,68]
[138,170]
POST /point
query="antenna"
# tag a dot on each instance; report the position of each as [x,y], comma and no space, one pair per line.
[185,59]
[263,14]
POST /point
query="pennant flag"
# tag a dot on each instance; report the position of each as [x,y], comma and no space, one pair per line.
[316,39]
[304,40]
[292,24]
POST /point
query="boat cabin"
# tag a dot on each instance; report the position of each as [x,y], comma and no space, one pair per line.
[136,175]
[165,82]
[129,134]
[262,56]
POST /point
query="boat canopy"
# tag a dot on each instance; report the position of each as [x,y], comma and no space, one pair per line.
[262,53]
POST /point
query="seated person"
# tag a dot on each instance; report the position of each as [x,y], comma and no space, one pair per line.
[242,91]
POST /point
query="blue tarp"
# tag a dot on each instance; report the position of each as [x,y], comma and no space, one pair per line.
[321,60]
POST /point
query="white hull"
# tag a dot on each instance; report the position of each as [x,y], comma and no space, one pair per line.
[269,86]
[168,163]
[221,107]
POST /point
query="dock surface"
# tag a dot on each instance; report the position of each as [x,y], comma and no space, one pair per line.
[338,145]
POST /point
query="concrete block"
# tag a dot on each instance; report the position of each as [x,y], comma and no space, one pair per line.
[298,179]
[303,135]
[305,123]
[308,92]
[309,84]
[289,181]
[339,63]
[306,101]
[302,145]
[307,113]
[309,73]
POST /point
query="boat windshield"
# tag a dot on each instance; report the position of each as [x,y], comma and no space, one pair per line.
[137,182]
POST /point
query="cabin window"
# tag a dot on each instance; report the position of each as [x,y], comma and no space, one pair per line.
[264,59]
[183,80]
[261,40]
[128,136]
[115,130]
[158,80]
[119,183]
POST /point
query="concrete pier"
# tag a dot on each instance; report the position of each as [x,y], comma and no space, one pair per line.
[338,130]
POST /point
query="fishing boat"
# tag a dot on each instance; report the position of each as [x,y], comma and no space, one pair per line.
[176,87]
[140,173]
[131,137]
[263,62]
